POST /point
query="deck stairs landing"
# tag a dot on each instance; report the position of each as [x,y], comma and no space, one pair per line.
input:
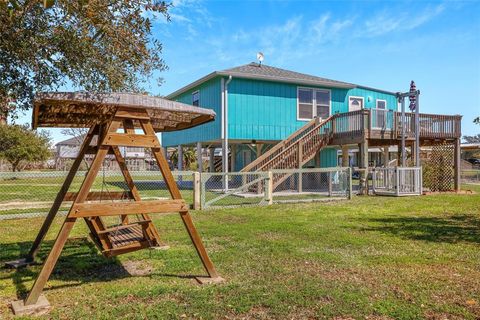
[295,151]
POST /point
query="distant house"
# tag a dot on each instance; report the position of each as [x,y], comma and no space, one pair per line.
[66,151]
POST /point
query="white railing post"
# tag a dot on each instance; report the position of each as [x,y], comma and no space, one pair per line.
[329,175]
[269,189]
[196,191]
[350,183]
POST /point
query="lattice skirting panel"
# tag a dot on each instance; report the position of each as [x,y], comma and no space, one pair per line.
[438,168]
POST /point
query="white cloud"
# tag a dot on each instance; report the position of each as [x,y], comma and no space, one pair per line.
[295,38]
[391,21]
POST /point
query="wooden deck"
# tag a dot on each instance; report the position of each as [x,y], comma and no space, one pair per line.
[384,127]
[367,127]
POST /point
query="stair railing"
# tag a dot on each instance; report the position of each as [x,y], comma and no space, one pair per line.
[301,150]
[280,147]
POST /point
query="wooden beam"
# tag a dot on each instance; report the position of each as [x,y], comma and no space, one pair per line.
[128,113]
[126,249]
[97,195]
[131,140]
[83,210]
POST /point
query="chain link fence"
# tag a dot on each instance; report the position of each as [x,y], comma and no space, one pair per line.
[223,190]
[31,194]
[470,176]
[307,185]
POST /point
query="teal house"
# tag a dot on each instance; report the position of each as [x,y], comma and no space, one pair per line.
[258,106]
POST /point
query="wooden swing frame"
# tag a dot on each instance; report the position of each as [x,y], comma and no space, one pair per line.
[108,142]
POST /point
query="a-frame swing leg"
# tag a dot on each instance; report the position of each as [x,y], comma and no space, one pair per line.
[32,303]
[185,215]
[29,259]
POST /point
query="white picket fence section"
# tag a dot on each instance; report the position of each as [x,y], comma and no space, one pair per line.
[397,181]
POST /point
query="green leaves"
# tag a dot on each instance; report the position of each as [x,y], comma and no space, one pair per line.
[92,45]
[19,145]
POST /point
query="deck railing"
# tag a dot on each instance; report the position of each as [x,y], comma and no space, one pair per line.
[349,124]
[303,144]
[381,119]
[354,124]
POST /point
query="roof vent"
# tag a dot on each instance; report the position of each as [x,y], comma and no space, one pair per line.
[260,58]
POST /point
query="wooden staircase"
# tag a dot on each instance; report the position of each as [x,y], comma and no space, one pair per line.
[293,152]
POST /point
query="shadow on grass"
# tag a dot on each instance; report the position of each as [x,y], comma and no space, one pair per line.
[453,229]
[80,262]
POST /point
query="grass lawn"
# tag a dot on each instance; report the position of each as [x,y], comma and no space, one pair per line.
[369,258]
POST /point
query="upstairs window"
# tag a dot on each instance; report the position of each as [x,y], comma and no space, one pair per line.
[305,104]
[313,103]
[322,98]
[196,98]
[381,104]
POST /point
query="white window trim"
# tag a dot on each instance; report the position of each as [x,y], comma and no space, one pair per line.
[356,97]
[376,104]
[314,102]
[197,91]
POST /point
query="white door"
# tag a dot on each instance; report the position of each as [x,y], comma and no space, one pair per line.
[355,121]
[355,103]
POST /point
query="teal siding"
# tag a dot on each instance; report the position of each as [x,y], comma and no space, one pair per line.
[340,99]
[240,148]
[210,97]
[328,158]
[263,110]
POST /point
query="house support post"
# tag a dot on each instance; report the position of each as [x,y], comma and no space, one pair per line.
[199,157]
[363,148]
[211,159]
[300,157]
[345,160]
[233,156]
[180,158]
[386,156]
[457,165]
[225,163]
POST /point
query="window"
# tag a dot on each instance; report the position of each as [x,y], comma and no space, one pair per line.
[381,104]
[313,103]
[305,104]
[322,99]
[379,118]
[196,98]
[355,103]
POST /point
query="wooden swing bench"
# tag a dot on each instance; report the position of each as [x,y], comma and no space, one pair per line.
[105,115]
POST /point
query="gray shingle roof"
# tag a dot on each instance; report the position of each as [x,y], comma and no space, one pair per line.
[256,71]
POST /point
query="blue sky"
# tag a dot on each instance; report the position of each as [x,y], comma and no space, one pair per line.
[379,44]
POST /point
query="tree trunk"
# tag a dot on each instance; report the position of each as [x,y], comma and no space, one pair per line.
[15,166]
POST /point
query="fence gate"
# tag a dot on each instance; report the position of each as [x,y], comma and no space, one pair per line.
[397,181]
[237,189]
